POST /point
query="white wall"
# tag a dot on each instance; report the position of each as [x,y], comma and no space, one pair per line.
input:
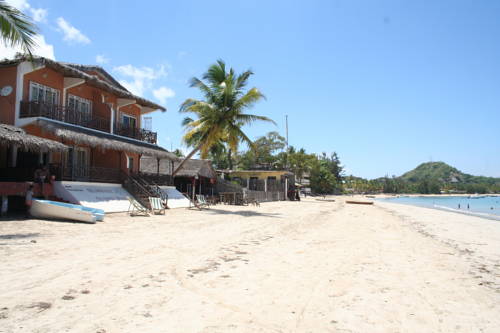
[109,197]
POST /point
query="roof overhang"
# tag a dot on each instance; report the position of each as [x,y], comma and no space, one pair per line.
[101,140]
[11,135]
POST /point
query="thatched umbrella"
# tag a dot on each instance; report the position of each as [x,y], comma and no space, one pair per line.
[11,135]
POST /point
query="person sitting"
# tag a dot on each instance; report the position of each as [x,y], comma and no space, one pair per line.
[29,199]
[42,176]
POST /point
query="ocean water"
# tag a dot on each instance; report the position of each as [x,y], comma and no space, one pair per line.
[487,206]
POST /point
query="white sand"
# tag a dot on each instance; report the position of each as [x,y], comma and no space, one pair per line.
[305,266]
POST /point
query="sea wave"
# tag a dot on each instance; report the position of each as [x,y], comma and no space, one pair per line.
[468,212]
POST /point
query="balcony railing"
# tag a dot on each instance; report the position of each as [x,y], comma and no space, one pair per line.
[91,174]
[136,133]
[71,116]
[65,114]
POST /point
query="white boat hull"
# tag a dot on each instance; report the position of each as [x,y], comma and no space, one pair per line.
[46,210]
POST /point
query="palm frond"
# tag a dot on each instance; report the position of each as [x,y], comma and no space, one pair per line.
[16,28]
[247,119]
[220,116]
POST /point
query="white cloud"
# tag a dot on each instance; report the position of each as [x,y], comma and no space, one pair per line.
[19,4]
[71,34]
[141,78]
[163,93]
[100,59]
[38,14]
[41,49]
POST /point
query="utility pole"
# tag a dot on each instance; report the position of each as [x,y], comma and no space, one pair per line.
[286,131]
[286,126]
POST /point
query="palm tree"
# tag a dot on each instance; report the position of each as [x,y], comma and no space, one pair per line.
[220,116]
[16,28]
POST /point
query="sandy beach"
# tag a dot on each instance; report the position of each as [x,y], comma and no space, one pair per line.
[309,266]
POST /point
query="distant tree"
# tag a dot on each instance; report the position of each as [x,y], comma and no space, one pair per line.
[429,186]
[263,152]
[300,163]
[322,180]
[178,153]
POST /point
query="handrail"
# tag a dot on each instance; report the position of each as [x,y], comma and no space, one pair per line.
[70,115]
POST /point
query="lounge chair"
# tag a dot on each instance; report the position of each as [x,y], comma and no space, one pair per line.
[157,206]
[137,208]
[202,202]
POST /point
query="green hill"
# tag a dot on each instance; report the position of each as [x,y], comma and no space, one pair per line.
[444,173]
[435,170]
[432,177]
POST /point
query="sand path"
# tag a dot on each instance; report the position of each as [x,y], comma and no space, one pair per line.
[283,267]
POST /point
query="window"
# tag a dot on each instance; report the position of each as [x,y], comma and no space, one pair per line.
[44,94]
[128,121]
[253,183]
[81,105]
[130,163]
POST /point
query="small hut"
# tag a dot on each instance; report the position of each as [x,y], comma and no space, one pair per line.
[197,174]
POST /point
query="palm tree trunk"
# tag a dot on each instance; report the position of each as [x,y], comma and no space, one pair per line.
[230,159]
[185,160]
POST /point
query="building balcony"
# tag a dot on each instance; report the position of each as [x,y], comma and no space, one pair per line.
[68,115]
[135,133]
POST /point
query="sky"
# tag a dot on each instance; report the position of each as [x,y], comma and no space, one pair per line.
[385,84]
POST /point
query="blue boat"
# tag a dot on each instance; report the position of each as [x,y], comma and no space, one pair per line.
[63,210]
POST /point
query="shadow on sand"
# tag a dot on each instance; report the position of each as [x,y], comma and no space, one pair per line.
[19,236]
[245,213]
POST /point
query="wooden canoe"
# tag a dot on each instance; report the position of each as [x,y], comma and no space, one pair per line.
[358,202]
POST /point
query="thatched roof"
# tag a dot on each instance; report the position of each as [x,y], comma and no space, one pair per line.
[72,70]
[192,168]
[11,135]
[108,78]
[98,139]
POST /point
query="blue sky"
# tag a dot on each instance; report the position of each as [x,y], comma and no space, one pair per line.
[385,84]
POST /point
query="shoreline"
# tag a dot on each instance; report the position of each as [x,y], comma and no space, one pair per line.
[493,217]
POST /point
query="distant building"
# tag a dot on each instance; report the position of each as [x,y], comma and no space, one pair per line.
[261,180]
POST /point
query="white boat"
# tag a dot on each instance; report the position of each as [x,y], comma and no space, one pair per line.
[63,211]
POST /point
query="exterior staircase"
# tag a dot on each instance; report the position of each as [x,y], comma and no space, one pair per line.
[142,189]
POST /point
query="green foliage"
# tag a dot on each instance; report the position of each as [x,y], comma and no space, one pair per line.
[16,28]
[178,153]
[263,153]
[300,163]
[220,115]
[433,170]
[322,179]
[427,178]
[429,186]
[326,174]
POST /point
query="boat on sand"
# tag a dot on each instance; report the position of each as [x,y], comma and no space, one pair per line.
[65,211]
[359,202]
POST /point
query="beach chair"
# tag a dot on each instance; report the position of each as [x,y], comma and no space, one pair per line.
[202,201]
[135,208]
[157,206]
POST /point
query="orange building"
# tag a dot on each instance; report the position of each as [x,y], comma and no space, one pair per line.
[82,107]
